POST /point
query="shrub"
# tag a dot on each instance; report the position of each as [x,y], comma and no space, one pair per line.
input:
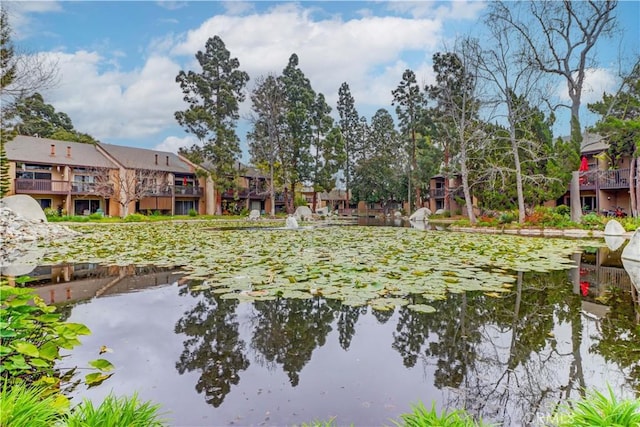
[114,411]
[50,212]
[507,217]
[592,220]
[420,416]
[299,201]
[597,409]
[21,405]
[31,339]
[563,210]
[192,212]
[96,215]
[135,218]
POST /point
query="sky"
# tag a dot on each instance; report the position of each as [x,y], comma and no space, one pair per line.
[118,60]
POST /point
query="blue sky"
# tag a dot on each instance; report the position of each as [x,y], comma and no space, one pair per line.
[118,60]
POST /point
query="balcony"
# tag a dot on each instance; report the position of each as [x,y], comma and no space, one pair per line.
[245,193]
[41,186]
[89,188]
[182,190]
[604,179]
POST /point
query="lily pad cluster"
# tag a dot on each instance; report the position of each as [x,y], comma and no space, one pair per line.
[378,266]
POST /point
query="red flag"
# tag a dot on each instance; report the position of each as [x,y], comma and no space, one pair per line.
[584,165]
[184,181]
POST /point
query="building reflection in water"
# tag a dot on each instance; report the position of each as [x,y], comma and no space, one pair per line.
[601,271]
[76,282]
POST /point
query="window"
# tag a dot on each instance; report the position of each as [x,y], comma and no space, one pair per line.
[44,203]
[33,175]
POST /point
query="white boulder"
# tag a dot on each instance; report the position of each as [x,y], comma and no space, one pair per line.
[614,228]
[254,215]
[303,213]
[421,214]
[292,222]
[24,206]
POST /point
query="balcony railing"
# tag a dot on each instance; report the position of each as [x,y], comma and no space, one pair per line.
[439,193]
[605,179]
[41,186]
[245,193]
[99,189]
[188,191]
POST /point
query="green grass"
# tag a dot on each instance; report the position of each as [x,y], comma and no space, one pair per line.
[598,409]
[22,405]
[420,416]
[114,412]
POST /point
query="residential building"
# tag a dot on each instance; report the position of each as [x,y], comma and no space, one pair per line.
[603,186]
[438,195]
[251,192]
[156,181]
[81,179]
[67,176]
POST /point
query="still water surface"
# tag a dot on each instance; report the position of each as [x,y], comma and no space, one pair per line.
[211,362]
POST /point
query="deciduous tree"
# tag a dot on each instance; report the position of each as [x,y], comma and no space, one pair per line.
[560,36]
[456,113]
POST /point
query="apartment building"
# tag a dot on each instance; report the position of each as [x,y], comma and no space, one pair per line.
[68,176]
[604,186]
[82,179]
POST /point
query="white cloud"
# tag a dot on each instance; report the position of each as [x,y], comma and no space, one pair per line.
[172,5]
[237,7]
[22,25]
[330,51]
[113,104]
[596,82]
[173,143]
[457,10]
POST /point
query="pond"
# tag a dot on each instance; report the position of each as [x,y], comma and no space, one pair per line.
[212,353]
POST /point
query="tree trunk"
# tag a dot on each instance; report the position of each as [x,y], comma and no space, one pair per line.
[519,187]
[465,186]
[576,208]
[634,193]
[272,191]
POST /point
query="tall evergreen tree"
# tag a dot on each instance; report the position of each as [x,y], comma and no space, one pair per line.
[328,147]
[379,176]
[349,128]
[213,95]
[410,103]
[7,74]
[267,136]
[456,112]
[36,118]
[299,97]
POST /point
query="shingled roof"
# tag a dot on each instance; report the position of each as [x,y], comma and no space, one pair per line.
[31,149]
[141,158]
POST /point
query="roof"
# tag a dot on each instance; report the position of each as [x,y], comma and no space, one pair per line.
[142,158]
[31,149]
[592,142]
[334,194]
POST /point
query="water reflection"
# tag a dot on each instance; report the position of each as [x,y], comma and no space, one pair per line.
[214,361]
[213,346]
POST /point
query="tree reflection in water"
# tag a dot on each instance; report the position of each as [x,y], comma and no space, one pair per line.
[511,358]
[214,346]
[286,331]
